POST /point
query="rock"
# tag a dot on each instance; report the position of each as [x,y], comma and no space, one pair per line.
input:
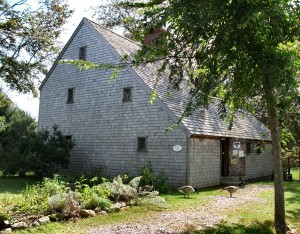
[106,209]
[5,231]
[103,212]
[123,204]
[35,224]
[44,219]
[6,224]
[97,210]
[125,208]
[19,225]
[87,213]
[117,206]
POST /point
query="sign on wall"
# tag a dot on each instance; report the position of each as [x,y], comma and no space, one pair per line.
[236,145]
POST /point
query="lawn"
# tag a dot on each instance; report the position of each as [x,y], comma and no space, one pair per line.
[248,218]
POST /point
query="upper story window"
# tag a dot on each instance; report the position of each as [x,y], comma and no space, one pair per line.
[142,144]
[127,94]
[71,93]
[82,53]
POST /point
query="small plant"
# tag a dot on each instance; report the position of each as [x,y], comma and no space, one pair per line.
[35,197]
[159,180]
[97,201]
[64,202]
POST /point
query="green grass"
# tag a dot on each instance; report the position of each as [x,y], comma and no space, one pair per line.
[248,218]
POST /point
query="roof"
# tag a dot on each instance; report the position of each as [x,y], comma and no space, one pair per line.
[204,121]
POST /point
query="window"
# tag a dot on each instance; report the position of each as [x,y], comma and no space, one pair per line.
[142,144]
[71,95]
[250,148]
[127,94]
[82,53]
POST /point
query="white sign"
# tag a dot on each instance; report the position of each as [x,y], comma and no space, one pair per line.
[177,148]
[236,145]
[241,153]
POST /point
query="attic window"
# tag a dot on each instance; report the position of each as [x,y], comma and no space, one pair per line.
[71,95]
[82,53]
[142,144]
[127,94]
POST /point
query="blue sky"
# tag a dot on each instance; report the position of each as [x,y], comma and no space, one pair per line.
[81,9]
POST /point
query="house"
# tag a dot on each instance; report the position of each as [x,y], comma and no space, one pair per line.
[115,127]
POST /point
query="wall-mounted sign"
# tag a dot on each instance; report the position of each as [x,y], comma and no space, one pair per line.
[233,159]
[236,145]
[177,148]
[241,153]
[234,152]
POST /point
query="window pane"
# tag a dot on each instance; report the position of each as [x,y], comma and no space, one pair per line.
[70,95]
[127,94]
[82,53]
[142,144]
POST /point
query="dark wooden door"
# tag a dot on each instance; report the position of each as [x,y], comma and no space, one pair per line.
[225,157]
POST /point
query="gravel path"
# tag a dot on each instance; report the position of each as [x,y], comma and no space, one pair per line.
[176,222]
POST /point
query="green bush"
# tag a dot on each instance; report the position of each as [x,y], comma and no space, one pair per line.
[35,197]
[159,180]
[97,201]
[64,202]
[120,191]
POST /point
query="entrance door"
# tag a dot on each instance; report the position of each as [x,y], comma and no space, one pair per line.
[225,157]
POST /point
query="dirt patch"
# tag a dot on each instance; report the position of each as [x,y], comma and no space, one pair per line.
[180,221]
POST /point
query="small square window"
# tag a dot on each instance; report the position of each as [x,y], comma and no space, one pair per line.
[71,95]
[127,94]
[82,53]
[250,147]
[142,144]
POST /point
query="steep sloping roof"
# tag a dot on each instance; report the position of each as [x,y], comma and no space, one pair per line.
[204,122]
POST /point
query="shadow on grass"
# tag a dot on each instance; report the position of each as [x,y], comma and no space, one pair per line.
[292,189]
[15,184]
[225,228]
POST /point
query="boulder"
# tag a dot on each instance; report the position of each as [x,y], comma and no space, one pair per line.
[5,231]
[19,225]
[87,213]
[44,219]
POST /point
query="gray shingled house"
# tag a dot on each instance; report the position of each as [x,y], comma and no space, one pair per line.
[114,125]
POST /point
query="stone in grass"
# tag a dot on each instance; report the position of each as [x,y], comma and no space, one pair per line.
[103,212]
[19,225]
[44,219]
[5,231]
[87,213]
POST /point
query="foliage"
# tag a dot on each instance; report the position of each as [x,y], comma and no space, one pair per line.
[35,197]
[97,201]
[120,191]
[19,126]
[25,149]
[159,180]
[152,199]
[65,203]
[29,39]
[246,53]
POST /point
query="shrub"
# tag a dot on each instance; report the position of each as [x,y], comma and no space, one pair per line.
[159,180]
[35,197]
[120,191]
[97,201]
[64,202]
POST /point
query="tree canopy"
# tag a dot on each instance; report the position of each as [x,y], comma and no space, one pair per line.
[246,53]
[28,39]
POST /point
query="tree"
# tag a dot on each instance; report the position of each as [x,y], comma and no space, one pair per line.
[246,53]
[28,38]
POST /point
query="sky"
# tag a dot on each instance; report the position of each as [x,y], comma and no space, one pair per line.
[81,9]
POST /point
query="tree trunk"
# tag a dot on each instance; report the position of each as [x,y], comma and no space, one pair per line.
[280,224]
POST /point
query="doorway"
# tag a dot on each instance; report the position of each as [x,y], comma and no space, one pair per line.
[225,157]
